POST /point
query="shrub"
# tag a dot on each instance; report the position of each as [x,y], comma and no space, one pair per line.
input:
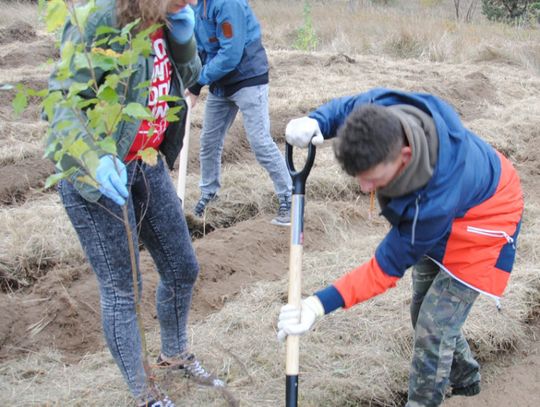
[511,11]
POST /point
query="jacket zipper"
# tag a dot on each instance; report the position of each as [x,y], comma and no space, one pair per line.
[415,220]
[492,233]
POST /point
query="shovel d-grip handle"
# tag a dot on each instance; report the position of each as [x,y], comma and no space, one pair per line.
[299,177]
[295,266]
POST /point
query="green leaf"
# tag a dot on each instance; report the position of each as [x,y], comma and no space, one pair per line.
[148,155]
[112,80]
[76,88]
[169,98]
[148,31]
[85,103]
[82,12]
[39,93]
[57,13]
[50,102]
[128,58]
[63,69]
[172,114]
[91,162]
[108,145]
[143,85]
[101,41]
[78,148]
[86,179]
[107,94]
[105,29]
[20,102]
[137,111]
[55,178]
[51,147]
[119,40]
[141,45]
[128,27]
[126,73]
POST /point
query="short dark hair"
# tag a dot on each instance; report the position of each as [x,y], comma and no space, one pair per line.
[370,136]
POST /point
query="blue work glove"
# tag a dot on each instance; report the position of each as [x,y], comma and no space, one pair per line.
[182,24]
[111,175]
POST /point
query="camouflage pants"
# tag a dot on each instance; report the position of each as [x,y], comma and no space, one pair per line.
[441,356]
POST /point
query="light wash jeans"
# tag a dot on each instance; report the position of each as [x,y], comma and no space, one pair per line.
[155,215]
[219,115]
[441,355]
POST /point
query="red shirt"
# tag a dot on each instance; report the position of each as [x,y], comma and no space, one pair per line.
[160,86]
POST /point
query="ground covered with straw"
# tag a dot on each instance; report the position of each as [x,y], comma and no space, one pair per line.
[51,347]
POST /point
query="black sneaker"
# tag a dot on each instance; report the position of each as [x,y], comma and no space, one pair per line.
[188,364]
[164,402]
[283,217]
[202,203]
[468,391]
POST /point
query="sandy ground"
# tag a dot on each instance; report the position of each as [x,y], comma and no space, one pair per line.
[61,308]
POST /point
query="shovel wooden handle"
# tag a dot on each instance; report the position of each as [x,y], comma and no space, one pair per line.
[183,160]
[295,266]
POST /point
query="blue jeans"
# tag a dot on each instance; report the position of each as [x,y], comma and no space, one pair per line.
[441,355]
[219,115]
[155,215]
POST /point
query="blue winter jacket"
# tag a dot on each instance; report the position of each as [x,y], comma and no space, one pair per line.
[229,44]
[466,200]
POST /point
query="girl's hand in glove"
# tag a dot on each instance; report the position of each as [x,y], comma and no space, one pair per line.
[112,178]
[182,23]
[294,321]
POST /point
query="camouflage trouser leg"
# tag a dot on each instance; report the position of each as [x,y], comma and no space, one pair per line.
[439,307]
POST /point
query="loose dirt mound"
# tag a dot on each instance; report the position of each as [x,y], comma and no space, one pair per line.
[19,31]
[62,308]
[18,179]
[17,54]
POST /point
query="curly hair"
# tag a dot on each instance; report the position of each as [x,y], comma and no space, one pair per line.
[371,135]
[149,11]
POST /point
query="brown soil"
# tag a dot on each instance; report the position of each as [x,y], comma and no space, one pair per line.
[61,310]
[21,178]
[20,32]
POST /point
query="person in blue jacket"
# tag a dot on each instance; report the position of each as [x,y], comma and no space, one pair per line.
[235,67]
[455,206]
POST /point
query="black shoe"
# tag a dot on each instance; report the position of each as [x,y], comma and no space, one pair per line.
[468,391]
[202,203]
[188,364]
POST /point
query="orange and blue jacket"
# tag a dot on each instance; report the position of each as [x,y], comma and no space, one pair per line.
[466,218]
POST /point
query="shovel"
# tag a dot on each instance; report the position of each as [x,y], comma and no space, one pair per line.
[183,161]
[295,265]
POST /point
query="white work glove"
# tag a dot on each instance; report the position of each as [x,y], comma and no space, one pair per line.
[302,131]
[294,321]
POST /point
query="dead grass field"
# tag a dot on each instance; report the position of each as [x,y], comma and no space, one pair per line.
[51,348]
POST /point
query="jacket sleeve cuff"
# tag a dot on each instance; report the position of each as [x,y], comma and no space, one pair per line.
[196,89]
[182,53]
[330,298]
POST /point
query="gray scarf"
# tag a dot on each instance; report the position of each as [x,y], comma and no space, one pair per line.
[421,134]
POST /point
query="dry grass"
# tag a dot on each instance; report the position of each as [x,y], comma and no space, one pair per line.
[412,29]
[20,141]
[354,357]
[14,12]
[33,237]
